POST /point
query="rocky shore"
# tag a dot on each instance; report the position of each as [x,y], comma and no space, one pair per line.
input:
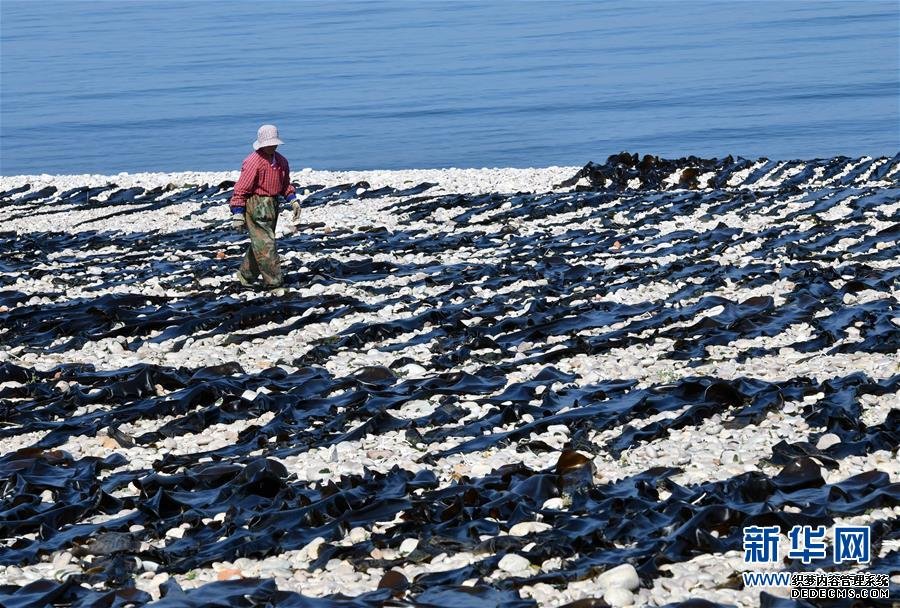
[479,387]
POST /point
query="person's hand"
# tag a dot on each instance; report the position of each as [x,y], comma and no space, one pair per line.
[238,222]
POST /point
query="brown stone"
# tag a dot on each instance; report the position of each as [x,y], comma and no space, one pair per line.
[228,574]
[395,581]
[570,460]
[459,471]
[110,443]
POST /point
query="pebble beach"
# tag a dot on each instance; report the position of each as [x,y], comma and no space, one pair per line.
[560,386]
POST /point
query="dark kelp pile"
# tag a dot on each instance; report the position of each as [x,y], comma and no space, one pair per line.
[563,288]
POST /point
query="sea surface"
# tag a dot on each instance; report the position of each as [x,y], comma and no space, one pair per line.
[104,87]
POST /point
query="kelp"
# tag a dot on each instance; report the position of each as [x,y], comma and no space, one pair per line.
[559,284]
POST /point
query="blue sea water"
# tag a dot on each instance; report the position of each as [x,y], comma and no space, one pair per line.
[105,86]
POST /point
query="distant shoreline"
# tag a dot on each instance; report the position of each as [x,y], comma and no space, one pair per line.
[477,180]
[459,180]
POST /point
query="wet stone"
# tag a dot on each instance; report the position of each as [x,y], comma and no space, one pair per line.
[513,563]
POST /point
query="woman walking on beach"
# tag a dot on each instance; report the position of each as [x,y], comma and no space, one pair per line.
[265,175]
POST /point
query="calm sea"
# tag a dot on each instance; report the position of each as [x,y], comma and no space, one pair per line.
[104,87]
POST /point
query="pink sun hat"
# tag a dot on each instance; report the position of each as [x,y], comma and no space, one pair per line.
[267,135]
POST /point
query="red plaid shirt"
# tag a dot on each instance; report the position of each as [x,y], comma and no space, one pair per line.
[262,176]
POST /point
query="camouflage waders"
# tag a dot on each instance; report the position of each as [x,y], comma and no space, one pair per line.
[261,216]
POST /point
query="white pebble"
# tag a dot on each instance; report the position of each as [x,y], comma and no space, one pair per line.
[408,546]
[618,597]
[555,504]
[827,440]
[357,535]
[312,549]
[624,576]
[175,533]
[527,527]
[514,563]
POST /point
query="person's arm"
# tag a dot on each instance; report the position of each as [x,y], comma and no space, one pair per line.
[244,186]
[287,189]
